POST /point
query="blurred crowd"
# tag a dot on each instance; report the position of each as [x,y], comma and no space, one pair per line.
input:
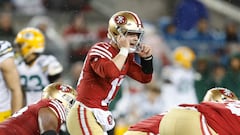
[216,61]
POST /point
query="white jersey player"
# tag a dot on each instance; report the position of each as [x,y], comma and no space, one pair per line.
[36,70]
[10,89]
[179,78]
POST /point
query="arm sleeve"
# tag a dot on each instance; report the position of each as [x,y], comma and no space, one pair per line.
[54,66]
[147,65]
[139,72]
[6,50]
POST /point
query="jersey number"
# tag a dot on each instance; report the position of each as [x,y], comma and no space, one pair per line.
[29,81]
[234,108]
[115,83]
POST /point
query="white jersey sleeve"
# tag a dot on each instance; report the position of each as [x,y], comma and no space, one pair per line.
[6,50]
[53,65]
[35,77]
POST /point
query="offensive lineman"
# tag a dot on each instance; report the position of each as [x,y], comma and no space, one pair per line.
[44,117]
[151,125]
[218,117]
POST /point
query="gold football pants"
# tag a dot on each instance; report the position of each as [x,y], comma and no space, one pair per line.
[181,121]
[81,121]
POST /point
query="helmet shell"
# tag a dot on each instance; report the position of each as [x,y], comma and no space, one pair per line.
[219,94]
[124,22]
[30,40]
[184,56]
[62,92]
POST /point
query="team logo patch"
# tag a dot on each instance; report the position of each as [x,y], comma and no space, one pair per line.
[120,20]
[227,93]
[110,119]
[63,88]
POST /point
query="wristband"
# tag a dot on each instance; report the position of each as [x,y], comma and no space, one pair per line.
[148,58]
[123,51]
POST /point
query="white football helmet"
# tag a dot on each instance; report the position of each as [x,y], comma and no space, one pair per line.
[124,22]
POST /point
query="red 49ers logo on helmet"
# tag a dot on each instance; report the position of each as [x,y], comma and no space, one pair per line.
[63,88]
[120,19]
[227,93]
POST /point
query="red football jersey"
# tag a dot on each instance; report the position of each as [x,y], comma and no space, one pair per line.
[25,121]
[100,79]
[149,125]
[224,118]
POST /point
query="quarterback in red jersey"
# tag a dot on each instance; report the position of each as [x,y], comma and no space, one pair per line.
[44,117]
[104,69]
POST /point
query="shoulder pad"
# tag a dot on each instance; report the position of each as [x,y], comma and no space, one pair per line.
[5,47]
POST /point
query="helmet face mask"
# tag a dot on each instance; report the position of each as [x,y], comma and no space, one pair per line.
[125,23]
[137,46]
[67,101]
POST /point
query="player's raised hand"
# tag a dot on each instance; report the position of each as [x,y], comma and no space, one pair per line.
[145,52]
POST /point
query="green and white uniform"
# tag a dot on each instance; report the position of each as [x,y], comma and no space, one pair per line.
[35,77]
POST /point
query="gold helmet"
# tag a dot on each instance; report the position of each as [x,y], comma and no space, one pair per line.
[219,94]
[184,56]
[30,40]
[62,92]
[124,22]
